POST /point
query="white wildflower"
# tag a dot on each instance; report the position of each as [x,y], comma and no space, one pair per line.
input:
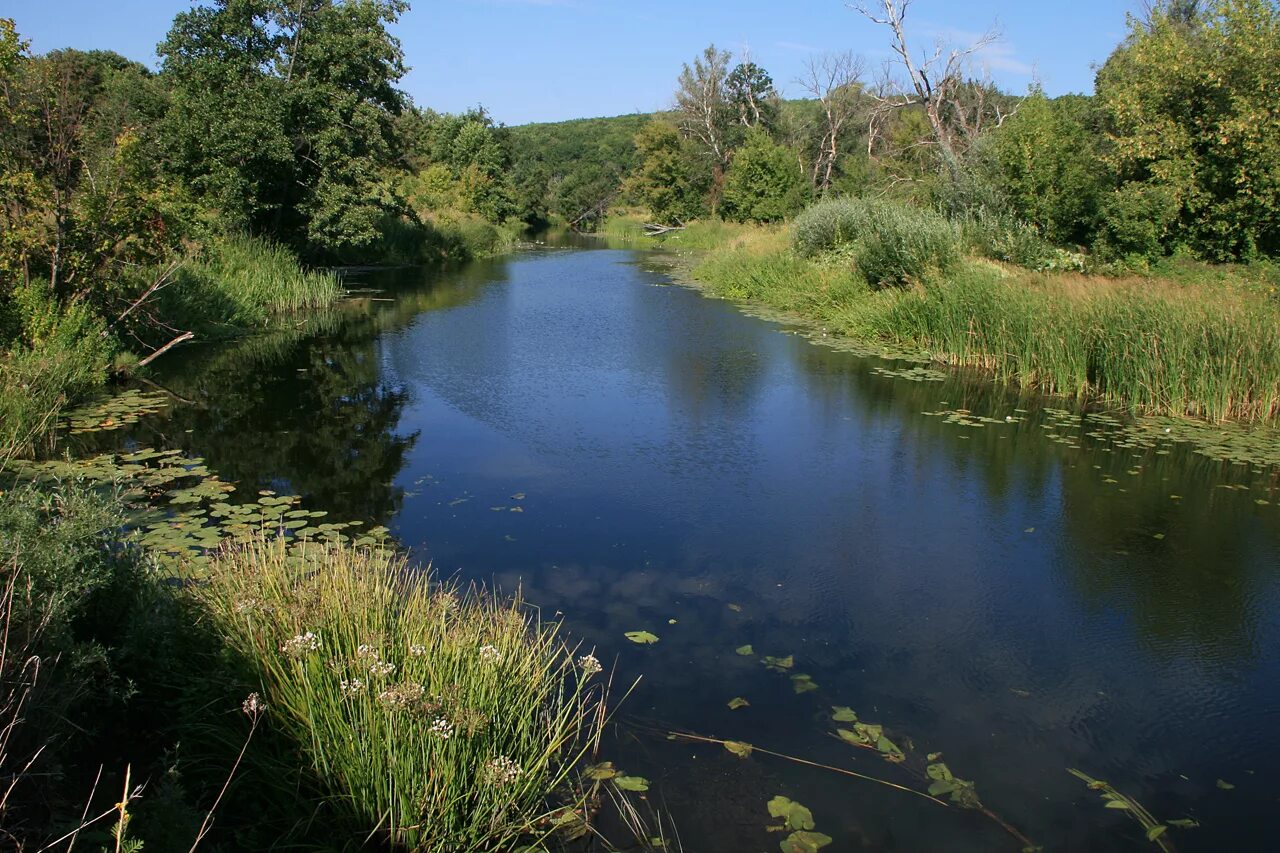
[301,645]
[367,652]
[490,654]
[246,605]
[441,728]
[253,705]
[352,686]
[501,771]
[417,650]
[381,668]
[589,665]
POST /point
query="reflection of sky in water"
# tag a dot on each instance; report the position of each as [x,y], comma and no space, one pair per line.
[678,457]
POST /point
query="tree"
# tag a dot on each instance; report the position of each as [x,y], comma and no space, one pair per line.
[282,115]
[835,82]
[764,184]
[751,95]
[958,110]
[664,180]
[1191,111]
[704,112]
[1047,164]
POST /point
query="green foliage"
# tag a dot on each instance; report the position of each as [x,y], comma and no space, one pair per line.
[242,282]
[1003,238]
[282,134]
[1138,221]
[1047,167]
[458,163]
[433,720]
[892,243]
[765,182]
[1190,99]
[665,180]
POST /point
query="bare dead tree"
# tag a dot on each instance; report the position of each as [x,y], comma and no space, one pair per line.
[703,111]
[835,82]
[936,81]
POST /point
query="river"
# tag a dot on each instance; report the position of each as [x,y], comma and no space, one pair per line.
[1022,594]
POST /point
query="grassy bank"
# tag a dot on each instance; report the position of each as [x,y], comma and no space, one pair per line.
[320,696]
[1182,338]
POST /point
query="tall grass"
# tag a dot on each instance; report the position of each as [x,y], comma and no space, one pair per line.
[432,719]
[891,243]
[243,281]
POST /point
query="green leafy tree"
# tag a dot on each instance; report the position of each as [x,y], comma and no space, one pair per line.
[1046,162]
[766,182]
[282,115]
[665,179]
[1191,102]
[752,97]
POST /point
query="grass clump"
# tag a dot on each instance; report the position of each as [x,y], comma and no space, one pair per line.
[431,719]
[244,281]
[892,244]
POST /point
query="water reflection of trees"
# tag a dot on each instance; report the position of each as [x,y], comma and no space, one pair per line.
[1186,570]
[306,409]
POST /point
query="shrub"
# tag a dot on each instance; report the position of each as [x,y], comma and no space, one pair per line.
[1137,221]
[434,720]
[765,182]
[894,244]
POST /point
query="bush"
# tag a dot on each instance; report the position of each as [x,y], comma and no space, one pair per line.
[1137,220]
[1015,242]
[433,720]
[765,182]
[893,244]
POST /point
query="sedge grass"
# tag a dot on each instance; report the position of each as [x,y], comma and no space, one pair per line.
[1176,348]
[431,718]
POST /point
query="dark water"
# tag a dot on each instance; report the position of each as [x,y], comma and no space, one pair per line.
[982,592]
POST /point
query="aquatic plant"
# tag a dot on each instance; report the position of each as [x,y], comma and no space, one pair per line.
[433,718]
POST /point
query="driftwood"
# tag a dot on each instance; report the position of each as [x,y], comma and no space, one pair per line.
[185,336]
[653,229]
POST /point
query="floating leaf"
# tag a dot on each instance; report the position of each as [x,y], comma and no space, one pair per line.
[644,638]
[795,815]
[804,842]
[738,748]
[631,783]
[736,608]
[779,664]
[603,770]
[746,651]
[1117,804]
[1224,785]
[1156,831]
[939,771]
[1184,823]
[802,683]
[841,714]
[851,737]
[738,702]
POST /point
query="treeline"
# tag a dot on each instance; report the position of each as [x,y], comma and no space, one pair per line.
[1175,153]
[140,208]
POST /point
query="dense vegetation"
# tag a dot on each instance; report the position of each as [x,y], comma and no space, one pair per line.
[953,219]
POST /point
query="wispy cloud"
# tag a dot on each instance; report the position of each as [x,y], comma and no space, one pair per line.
[798,47]
[999,55]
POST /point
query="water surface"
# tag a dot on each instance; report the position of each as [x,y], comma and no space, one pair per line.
[1018,596]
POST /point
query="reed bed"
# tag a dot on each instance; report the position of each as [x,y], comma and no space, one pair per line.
[433,718]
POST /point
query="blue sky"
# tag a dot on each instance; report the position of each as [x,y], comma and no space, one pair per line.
[545,60]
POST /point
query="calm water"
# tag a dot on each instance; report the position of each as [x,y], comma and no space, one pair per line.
[984,592]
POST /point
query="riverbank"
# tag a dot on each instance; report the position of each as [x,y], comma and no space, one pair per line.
[1181,338]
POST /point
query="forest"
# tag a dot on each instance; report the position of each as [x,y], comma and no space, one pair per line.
[1120,247]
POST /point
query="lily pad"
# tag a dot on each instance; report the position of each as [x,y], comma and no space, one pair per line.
[643,638]
[631,783]
[804,842]
[738,702]
[779,664]
[738,748]
[746,651]
[1225,785]
[842,714]
[793,814]
[802,683]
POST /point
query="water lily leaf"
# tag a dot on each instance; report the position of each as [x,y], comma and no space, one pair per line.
[934,756]
[779,664]
[1117,804]
[643,638]
[738,748]
[939,771]
[603,770]
[1184,823]
[1156,831]
[736,608]
[746,651]
[802,683]
[888,747]
[1224,785]
[631,783]
[842,714]
[796,816]
[804,842]
[738,702]
[851,737]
